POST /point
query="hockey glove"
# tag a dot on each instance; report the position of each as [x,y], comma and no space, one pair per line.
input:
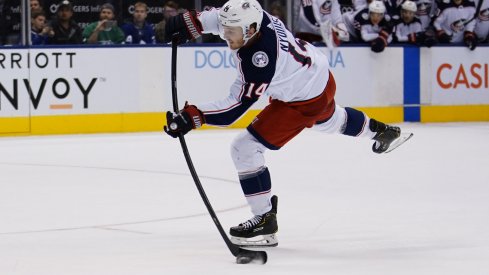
[470,40]
[186,25]
[443,37]
[378,45]
[429,38]
[187,119]
[415,38]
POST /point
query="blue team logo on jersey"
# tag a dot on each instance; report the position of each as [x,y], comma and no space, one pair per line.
[260,59]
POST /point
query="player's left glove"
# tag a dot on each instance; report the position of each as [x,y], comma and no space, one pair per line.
[470,40]
[186,26]
[187,119]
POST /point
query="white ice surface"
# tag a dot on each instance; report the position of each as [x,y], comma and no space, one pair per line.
[126,204]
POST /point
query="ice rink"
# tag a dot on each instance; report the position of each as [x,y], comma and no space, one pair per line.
[125,204]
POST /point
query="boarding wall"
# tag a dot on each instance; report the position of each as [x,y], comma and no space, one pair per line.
[127,89]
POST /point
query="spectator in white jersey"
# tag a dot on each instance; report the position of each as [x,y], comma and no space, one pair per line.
[454,24]
[296,77]
[315,16]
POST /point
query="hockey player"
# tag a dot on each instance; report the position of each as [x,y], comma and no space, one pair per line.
[296,77]
[391,6]
[426,10]
[482,21]
[372,25]
[451,25]
[409,27]
[314,19]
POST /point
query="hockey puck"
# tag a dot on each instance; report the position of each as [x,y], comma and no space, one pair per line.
[255,257]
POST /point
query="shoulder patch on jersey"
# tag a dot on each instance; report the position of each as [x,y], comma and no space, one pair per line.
[260,59]
[365,16]
[270,26]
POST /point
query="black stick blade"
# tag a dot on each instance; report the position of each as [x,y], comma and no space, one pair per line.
[249,256]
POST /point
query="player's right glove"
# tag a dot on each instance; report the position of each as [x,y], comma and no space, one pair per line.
[186,25]
[187,119]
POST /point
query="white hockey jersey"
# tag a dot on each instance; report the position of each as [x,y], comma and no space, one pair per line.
[426,11]
[453,18]
[482,21]
[403,30]
[314,12]
[361,28]
[275,65]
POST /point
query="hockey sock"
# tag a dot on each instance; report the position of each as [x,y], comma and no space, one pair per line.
[256,187]
[355,123]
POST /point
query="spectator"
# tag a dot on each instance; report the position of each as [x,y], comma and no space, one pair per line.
[40,31]
[3,25]
[139,31]
[372,25]
[482,22]
[277,10]
[35,5]
[170,9]
[314,17]
[450,24]
[9,22]
[409,27]
[105,31]
[66,30]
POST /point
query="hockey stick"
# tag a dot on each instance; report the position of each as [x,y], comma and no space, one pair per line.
[476,14]
[243,256]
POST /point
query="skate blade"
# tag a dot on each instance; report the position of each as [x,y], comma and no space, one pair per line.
[399,141]
[258,241]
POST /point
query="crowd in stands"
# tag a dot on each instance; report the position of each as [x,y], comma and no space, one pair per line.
[377,23]
[61,28]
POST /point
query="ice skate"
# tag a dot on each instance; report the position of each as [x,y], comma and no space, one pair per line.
[387,138]
[258,231]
